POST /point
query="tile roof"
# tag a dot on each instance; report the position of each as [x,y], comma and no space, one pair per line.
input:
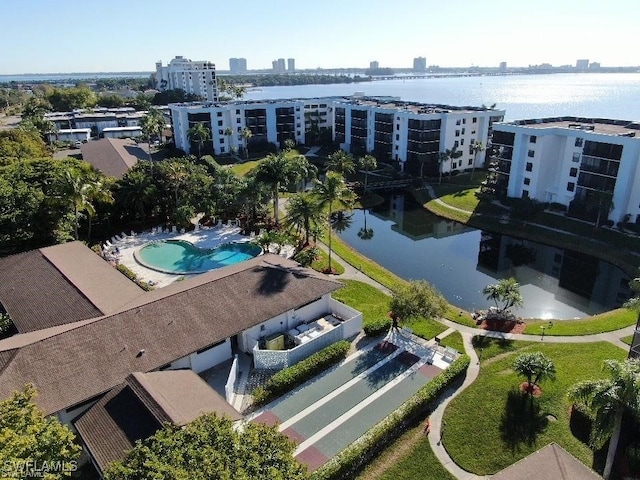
[112,156]
[74,364]
[549,463]
[135,410]
[59,285]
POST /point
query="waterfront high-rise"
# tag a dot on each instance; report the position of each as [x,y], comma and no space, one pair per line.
[198,78]
[279,66]
[238,65]
[419,64]
[291,65]
[374,65]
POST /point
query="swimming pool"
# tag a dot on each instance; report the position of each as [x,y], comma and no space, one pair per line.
[182,257]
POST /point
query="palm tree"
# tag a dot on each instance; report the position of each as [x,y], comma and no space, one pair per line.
[341,162]
[200,134]
[607,400]
[136,194]
[229,134]
[365,233]
[81,191]
[367,163]
[535,367]
[99,192]
[476,148]
[507,291]
[152,123]
[279,170]
[333,192]
[246,136]
[448,155]
[303,213]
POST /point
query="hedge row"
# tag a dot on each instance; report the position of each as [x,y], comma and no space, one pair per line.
[289,378]
[351,460]
[377,327]
[133,277]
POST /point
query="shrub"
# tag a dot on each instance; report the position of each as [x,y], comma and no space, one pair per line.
[377,327]
[289,378]
[557,207]
[352,459]
[5,324]
[133,277]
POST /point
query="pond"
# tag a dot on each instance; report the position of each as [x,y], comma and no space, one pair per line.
[460,261]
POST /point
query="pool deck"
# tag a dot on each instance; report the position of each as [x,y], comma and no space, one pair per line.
[203,238]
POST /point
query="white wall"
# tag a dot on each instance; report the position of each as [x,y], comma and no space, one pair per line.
[207,359]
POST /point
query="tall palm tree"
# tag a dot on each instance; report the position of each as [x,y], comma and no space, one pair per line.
[341,162]
[246,136]
[367,163]
[81,192]
[303,213]
[152,123]
[200,134]
[607,400]
[228,132]
[99,192]
[448,155]
[279,170]
[136,194]
[476,148]
[365,233]
[333,192]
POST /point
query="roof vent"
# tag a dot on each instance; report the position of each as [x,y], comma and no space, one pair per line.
[140,353]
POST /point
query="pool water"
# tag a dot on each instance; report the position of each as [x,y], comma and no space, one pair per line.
[182,257]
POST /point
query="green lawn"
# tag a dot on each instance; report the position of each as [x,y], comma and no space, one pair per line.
[418,462]
[322,263]
[369,300]
[243,169]
[604,322]
[426,328]
[628,339]
[453,340]
[504,426]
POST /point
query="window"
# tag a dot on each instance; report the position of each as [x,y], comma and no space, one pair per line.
[455,144]
[219,123]
[239,128]
[474,120]
[533,139]
[397,136]
[462,141]
[525,193]
[571,186]
[457,122]
[237,111]
[397,149]
[576,157]
[397,127]
[454,165]
[221,140]
[219,114]
[220,132]
[221,149]
[470,161]
[527,181]
[579,142]
[529,167]
[531,154]
[464,121]
[463,131]
[573,172]
[457,133]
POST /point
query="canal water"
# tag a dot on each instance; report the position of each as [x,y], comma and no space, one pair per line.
[460,261]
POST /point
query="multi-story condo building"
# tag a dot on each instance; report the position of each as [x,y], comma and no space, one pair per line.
[278,66]
[590,166]
[409,134]
[291,65]
[419,64]
[374,65]
[238,65]
[198,78]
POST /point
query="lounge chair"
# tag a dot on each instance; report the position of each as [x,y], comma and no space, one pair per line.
[182,230]
[174,229]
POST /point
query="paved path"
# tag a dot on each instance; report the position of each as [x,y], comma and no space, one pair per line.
[435,435]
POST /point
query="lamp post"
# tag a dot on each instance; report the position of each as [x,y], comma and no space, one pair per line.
[544,327]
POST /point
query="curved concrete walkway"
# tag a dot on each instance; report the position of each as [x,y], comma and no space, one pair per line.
[437,426]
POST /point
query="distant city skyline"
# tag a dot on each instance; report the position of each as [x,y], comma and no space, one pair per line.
[39,36]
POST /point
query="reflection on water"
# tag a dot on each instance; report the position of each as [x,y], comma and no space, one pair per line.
[460,261]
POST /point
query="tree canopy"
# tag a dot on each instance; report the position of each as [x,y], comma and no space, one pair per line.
[535,367]
[210,447]
[417,299]
[31,443]
[507,292]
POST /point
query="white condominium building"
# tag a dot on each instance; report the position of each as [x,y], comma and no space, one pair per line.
[403,133]
[588,167]
[198,78]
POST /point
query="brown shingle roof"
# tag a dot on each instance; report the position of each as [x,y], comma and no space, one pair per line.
[112,156]
[549,463]
[61,284]
[134,411]
[168,324]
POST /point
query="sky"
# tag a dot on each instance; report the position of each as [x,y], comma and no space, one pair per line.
[48,36]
